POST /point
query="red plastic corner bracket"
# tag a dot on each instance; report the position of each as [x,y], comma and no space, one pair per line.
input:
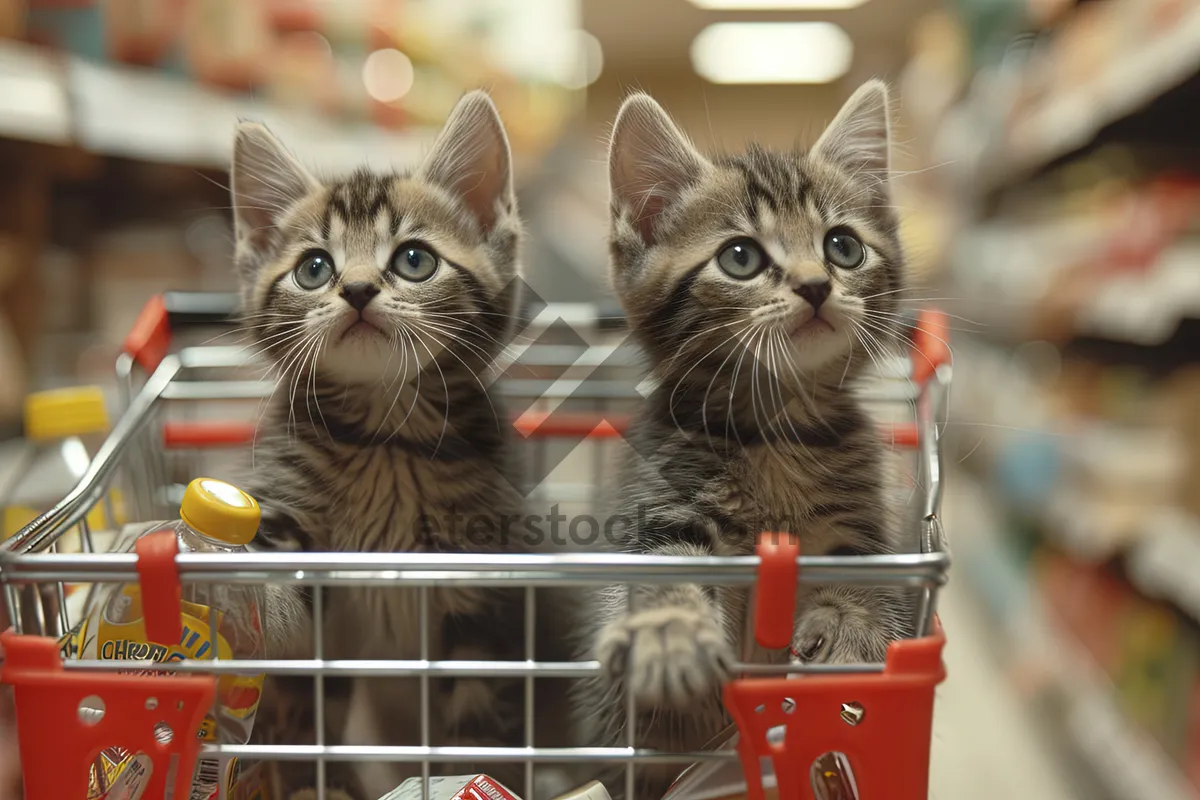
[882,723]
[161,592]
[70,722]
[775,590]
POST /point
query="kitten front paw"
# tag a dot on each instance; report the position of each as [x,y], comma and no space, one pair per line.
[826,634]
[666,656]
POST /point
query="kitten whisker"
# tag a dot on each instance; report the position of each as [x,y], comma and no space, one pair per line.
[401,331]
[737,367]
[696,363]
[445,389]
[473,373]
[739,347]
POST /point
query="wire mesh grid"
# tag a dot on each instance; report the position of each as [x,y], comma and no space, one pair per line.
[200,378]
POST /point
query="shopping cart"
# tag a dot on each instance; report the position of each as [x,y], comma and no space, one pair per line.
[878,716]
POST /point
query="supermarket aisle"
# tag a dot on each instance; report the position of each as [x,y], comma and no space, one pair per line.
[986,746]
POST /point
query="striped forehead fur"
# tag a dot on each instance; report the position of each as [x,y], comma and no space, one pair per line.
[370,210]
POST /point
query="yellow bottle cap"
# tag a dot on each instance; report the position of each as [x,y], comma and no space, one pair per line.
[220,511]
[60,413]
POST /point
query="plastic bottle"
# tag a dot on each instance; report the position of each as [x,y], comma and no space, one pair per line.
[216,517]
[63,430]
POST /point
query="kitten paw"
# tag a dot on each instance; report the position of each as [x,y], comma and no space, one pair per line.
[827,635]
[666,656]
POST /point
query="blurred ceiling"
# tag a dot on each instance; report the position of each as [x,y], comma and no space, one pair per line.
[641,34]
[646,45]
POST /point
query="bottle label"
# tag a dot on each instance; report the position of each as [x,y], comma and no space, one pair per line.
[118,774]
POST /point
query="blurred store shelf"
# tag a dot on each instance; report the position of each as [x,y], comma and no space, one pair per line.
[34,102]
[1130,764]
[1165,563]
[1072,262]
[1065,121]
[1057,671]
[1115,272]
[146,115]
[1107,63]
[1160,548]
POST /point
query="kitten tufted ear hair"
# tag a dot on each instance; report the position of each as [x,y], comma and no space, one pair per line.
[471,160]
[265,180]
[859,138]
[650,163]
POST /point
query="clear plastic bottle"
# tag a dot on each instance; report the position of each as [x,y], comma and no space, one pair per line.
[217,621]
[64,428]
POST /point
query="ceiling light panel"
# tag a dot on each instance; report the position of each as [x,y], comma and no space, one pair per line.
[772,52]
[777,5]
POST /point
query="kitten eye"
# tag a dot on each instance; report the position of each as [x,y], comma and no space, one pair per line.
[314,270]
[742,259]
[414,263]
[844,249]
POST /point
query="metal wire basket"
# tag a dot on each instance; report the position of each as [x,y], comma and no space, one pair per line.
[176,425]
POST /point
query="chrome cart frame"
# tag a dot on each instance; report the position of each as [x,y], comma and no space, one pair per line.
[135,451]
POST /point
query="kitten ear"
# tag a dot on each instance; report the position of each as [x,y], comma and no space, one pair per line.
[266,180]
[859,137]
[650,163]
[471,159]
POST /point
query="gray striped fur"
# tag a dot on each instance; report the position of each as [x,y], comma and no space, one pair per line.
[368,436]
[755,425]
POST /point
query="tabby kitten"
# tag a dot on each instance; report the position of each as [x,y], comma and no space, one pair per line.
[753,283]
[381,299]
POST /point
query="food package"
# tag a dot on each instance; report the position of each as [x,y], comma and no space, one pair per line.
[591,791]
[481,787]
[455,787]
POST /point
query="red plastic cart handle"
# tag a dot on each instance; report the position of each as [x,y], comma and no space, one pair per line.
[775,590]
[150,338]
[199,435]
[931,345]
[882,723]
[60,740]
[203,435]
[540,425]
[66,721]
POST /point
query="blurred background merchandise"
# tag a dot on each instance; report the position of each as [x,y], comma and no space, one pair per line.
[1047,180]
[1063,134]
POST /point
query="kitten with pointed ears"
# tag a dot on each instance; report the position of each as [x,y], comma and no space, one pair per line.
[380,299]
[759,286]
